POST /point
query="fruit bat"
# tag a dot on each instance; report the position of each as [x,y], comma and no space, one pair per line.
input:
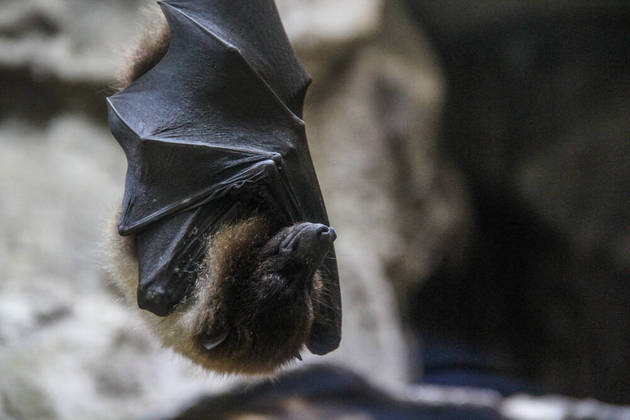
[222,208]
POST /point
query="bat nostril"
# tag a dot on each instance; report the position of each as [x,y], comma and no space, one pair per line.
[327,232]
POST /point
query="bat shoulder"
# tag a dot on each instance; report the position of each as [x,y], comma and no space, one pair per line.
[150,48]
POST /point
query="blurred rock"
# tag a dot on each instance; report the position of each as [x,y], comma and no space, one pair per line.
[70,40]
[325,32]
[332,392]
[68,348]
[399,208]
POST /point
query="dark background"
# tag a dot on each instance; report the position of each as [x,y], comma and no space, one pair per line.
[538,117]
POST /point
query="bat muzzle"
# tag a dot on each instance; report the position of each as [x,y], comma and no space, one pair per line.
[308,243]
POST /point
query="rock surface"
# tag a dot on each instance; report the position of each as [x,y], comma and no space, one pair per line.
[68,348]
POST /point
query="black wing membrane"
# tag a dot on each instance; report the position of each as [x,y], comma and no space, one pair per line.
[221,112]
[255,30]
[202,107]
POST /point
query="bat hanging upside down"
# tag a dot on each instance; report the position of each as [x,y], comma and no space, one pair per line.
[223,237]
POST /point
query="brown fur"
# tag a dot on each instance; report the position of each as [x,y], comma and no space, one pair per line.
[150,49]
[233,292]
[242,299]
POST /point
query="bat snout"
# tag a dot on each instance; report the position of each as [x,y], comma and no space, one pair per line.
[309,240]
[327,233]
[317,234]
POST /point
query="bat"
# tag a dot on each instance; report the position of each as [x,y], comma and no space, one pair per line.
[223,234]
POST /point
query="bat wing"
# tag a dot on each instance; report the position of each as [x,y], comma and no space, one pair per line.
[220,112]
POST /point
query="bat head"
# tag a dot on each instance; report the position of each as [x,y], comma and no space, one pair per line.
[265,294]
[255,300]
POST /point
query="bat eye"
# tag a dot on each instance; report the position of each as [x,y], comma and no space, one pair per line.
[210,341]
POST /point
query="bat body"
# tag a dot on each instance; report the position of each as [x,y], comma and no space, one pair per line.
[222,213]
